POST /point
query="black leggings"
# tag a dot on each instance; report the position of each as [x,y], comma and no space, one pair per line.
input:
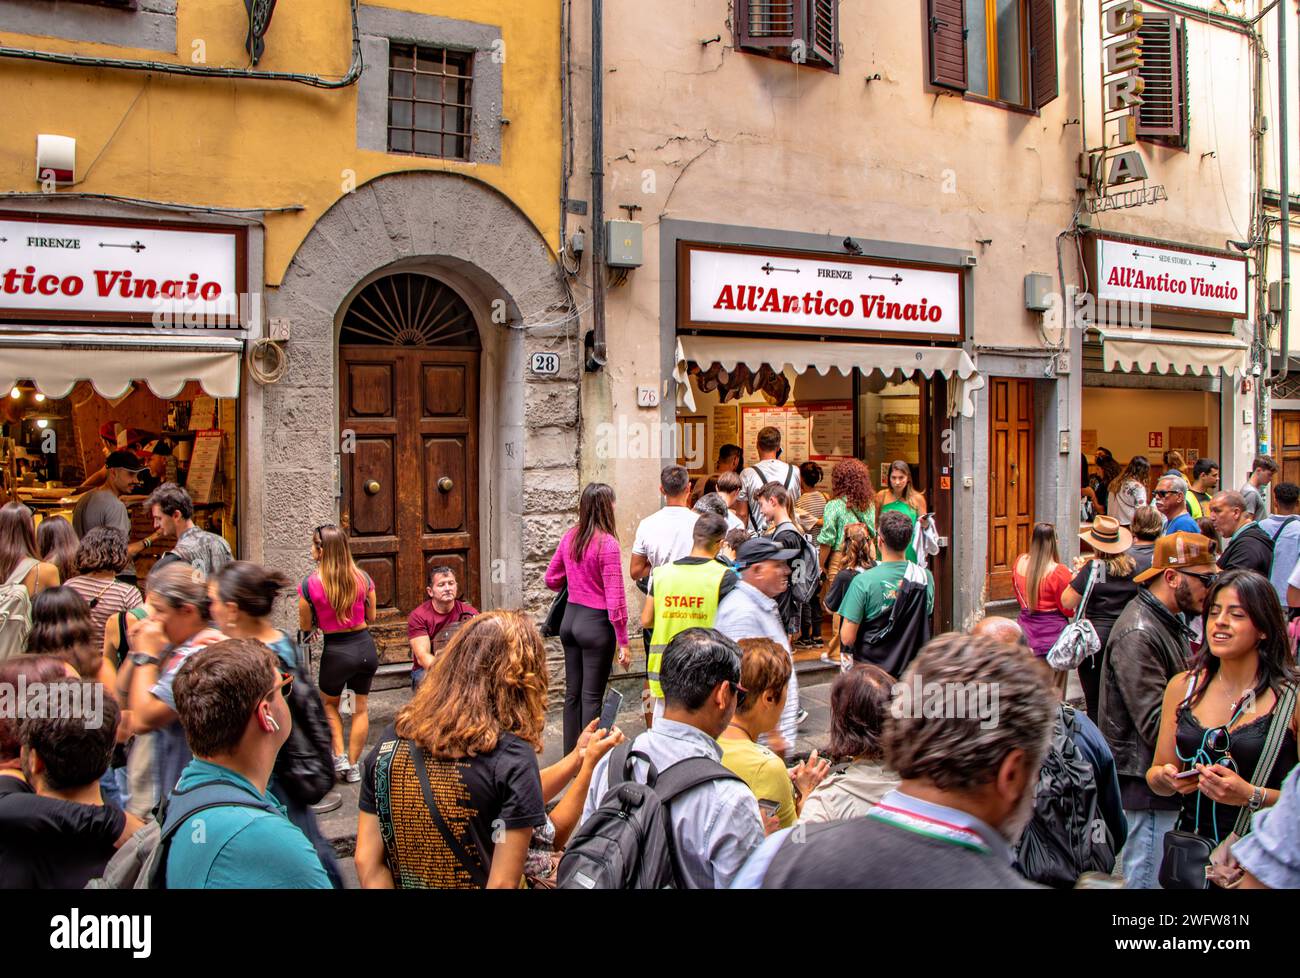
[350,659]
[588,640]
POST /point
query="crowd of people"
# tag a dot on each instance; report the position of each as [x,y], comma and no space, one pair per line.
[1175,770]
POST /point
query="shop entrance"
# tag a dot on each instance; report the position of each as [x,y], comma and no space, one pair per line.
[828,418]
[408,401]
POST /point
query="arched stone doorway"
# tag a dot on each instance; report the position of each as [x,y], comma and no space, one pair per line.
[408,420]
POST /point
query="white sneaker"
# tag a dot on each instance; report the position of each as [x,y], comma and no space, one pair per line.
[353,774]
[341,765]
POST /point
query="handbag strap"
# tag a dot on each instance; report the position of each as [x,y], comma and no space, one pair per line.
[453,841]
[1081,613]
[1282,712]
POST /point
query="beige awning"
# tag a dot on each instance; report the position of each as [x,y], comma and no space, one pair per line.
[1165,351]
[801,355]
[55,362]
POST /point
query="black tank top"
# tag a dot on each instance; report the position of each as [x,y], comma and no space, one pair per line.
[1244,745]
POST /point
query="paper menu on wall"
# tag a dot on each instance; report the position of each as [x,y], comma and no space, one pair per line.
[726,426]
[203,465]
[831,427]
[203,413]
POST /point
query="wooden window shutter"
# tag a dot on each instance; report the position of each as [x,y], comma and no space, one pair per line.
[947,29]
[769,25]
[824,32]
[1042,52]
[1162,114]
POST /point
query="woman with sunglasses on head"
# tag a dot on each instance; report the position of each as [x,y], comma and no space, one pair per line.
[243,596]
[339,599]
[1235,707]
[902,496]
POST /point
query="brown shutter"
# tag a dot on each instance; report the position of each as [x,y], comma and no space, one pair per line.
[824,32]
[947,29]
[768,25]
[1042,52]
[1161,114]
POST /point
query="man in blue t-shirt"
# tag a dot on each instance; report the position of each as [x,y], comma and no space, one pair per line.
[232,704]
[1171,499]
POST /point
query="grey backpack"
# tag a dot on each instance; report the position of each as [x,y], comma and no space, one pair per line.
[15,610]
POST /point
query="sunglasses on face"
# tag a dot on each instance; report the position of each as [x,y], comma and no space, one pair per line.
[285,685]
[1206,579]
[1167,492]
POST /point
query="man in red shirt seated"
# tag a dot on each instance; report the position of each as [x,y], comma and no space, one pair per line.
[432,624]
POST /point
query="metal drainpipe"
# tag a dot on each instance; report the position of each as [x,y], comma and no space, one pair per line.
[1284,204]
[203,71]
[597,359]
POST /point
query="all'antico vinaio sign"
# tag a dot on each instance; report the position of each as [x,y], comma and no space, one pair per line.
[61,268]
[770,291]
[1194,281]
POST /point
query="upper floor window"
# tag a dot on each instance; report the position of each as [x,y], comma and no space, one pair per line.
[429,101]
[1002,50]
[1162,117]
[802,31]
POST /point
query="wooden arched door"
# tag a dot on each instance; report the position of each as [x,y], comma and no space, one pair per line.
[408,403]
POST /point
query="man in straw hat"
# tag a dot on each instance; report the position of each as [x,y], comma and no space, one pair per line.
[1148,646]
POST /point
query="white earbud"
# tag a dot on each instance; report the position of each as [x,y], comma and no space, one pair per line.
[270,721]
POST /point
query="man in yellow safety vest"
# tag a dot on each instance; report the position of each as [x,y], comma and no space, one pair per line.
[685,594]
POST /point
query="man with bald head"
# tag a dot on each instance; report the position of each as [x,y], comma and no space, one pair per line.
[1004,630]
[1249,547]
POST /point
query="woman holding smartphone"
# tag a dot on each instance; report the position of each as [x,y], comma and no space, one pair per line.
[1221,715]
[339,598]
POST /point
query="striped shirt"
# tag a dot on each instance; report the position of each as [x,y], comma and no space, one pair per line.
[106,598]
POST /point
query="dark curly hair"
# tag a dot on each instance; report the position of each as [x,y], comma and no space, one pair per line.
[103,548]
[851,481]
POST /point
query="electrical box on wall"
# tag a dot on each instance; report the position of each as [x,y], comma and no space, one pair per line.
[623,244]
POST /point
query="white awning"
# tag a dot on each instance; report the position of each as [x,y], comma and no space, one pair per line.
[801,355]
[55,362]
[1165,351]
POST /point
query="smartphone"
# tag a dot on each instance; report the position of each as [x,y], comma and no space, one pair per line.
[768,806]
[609,711]
[1187,774]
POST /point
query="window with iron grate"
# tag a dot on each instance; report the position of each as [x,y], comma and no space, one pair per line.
[429,101]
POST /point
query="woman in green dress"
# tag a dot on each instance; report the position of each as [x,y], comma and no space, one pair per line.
[901,496]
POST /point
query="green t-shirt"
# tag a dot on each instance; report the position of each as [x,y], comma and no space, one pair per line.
[873,592]
[836,516]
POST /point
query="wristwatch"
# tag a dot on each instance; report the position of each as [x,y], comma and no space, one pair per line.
[1256,800]
[145,659]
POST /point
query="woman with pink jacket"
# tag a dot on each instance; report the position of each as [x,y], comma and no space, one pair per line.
[595,617]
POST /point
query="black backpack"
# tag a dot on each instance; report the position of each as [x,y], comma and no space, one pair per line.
[627,843]
[304,767]
[1067,836]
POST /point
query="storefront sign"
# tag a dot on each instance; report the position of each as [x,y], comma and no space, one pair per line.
[1122,85]
[798,292]
[1171,278]
[65,268]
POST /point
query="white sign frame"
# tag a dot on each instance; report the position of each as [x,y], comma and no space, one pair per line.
[770,290]
[1177,276]
[171,273]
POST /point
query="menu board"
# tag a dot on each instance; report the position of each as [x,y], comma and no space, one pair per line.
[726,425]
[203,465]
[203,413]
[816,430]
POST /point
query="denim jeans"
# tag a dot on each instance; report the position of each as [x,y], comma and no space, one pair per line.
[417,676]
[1145,848]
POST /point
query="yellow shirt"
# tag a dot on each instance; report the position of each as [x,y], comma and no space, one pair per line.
[764,772]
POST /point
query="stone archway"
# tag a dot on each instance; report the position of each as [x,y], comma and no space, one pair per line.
[469,235]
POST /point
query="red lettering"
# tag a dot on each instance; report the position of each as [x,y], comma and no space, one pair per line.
[104,284]
[72,285]
[771,302]
[210,291]
[48,285]
[726,300]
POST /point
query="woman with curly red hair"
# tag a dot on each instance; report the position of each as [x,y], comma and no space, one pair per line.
[853,502]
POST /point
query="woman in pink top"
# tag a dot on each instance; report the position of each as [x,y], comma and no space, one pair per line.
[1040,579]
[595,618]
[339,599]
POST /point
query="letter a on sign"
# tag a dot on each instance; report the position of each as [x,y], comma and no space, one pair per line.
[1126,168]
